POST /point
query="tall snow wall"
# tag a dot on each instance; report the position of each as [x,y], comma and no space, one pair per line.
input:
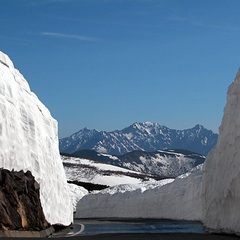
[29,141]
[221,175]
[179,200]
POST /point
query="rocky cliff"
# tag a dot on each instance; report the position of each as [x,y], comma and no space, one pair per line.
[20,206]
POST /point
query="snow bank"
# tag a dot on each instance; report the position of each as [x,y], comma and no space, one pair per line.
[76,193]
[29,141]
[221,179]
[180,199]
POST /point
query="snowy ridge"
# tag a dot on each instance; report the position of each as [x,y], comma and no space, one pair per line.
[143,186]
[145,136]
[162,163]
[29,141]
[84,170]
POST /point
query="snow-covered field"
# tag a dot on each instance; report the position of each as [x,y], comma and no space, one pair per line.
[84,170]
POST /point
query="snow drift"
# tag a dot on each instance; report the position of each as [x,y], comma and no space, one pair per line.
[29,141]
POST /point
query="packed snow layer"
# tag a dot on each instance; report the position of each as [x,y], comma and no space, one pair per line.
[84,170]
[29,141]
[179,199]
[76,193]
[221,179]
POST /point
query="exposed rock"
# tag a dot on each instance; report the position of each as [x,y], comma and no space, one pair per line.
[20,206]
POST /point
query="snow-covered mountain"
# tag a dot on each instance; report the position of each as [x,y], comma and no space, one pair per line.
[162,163]
[147,136]
[29,142]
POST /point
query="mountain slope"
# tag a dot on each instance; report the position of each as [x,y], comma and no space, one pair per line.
[145,136]
[88,171]
[161,164]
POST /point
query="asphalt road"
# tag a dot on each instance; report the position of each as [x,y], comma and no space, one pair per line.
[146,236]
[103,229]
[157,236]
[138,230]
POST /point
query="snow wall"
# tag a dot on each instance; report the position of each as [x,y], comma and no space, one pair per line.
[180,200]
[211,195]
[29,141]
[221,177]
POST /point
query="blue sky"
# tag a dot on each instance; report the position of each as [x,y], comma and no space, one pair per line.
[106,64]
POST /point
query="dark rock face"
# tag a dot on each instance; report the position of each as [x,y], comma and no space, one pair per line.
[20,206]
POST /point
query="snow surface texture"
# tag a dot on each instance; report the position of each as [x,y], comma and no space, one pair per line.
[221,178]
[179,199]
[76,193]
[83,170]
[29,141]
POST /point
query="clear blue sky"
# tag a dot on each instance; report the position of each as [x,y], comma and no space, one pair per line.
[106,64]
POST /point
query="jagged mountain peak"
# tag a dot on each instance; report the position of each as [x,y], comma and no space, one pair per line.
[145,127]
[146,124]
[146,136]
[83,131]
[199,127]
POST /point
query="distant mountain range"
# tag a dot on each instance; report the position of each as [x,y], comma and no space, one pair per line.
[147,136]
[159,164]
